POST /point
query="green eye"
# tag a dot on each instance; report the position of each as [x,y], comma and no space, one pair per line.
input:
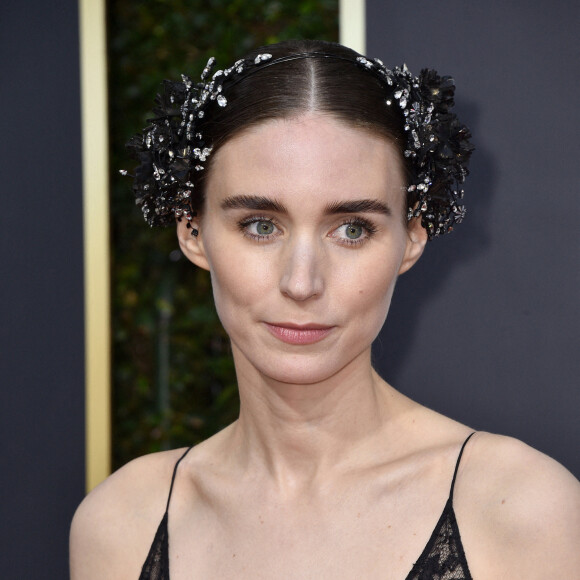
[264,228]
[353,231]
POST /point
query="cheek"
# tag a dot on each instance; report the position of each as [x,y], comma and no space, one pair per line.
[375,297]
[228,281]
[375,303]
[238,280]
[366,291]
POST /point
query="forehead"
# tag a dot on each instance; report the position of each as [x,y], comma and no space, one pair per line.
[309,157]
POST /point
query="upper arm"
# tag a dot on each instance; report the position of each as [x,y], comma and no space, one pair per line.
[115,524]
[527,513]
[94,543]
[544,521]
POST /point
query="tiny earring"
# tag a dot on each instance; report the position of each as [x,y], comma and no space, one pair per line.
[194,232]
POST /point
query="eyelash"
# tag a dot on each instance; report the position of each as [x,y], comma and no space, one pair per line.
[370,229]
[245,223]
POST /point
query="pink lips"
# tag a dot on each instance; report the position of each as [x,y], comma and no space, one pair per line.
[298,334]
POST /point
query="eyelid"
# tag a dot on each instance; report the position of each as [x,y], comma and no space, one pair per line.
[360,221]
[258,218]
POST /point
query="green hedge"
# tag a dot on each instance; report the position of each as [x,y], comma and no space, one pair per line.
[173,377]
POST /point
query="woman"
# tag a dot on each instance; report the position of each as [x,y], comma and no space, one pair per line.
[306,178]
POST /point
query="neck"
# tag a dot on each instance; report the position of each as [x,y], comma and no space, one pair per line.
[297,433]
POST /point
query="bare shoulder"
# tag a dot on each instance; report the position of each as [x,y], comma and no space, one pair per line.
[115,524]
[521,511]
[503,465]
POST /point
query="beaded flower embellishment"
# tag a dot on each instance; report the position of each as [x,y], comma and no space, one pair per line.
[172,148]
[438,144]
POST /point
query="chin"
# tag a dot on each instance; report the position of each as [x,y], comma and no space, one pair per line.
[303,369]
[298,377]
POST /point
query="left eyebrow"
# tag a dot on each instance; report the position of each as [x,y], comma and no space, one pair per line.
[358,206]
[253,202]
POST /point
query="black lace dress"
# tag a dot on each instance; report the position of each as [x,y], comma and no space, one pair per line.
[442,559]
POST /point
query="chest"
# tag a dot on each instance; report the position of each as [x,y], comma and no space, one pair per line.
[346,537]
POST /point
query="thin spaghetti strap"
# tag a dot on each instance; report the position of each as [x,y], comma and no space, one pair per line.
[457,465]
[173,478]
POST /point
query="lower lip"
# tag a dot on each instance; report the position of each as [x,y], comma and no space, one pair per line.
[298,335]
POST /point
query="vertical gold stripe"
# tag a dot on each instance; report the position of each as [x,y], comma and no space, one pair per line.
[96,240]
[352,24]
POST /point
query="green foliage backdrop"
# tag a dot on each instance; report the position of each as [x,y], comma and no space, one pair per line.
[173,377]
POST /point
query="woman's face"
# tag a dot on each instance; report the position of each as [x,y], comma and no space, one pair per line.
[304,236]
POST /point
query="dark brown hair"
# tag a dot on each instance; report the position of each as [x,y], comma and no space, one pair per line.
[334,86]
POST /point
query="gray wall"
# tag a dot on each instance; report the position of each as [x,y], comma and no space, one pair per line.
[41,293]
[486,327]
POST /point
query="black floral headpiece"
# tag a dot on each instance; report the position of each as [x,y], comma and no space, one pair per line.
[172,149]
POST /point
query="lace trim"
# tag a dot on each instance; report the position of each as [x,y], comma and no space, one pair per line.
[443,557]
[156,565]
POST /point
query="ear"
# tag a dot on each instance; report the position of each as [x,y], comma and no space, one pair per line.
[416,240]
[192,246]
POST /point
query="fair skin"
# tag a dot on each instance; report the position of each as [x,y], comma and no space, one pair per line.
[329,473]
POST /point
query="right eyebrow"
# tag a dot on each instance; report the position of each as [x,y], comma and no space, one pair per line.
[359,206]
[254,202]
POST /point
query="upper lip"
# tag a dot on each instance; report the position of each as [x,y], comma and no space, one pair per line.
[295,326]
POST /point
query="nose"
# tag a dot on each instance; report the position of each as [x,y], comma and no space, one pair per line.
[302,271]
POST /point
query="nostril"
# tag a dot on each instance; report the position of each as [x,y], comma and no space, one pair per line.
[302,276]
[301,286]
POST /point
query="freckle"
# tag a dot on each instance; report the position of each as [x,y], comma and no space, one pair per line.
[503,501]
[233,555]
[389,526]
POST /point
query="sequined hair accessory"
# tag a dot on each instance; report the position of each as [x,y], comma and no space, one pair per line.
[172,148]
